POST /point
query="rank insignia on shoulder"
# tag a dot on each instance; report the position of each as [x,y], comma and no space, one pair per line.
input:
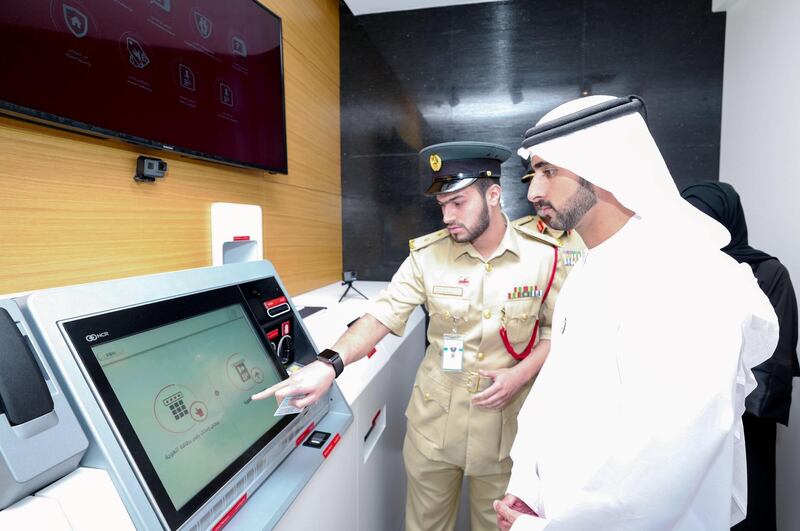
[424,241]
[570,258]
[523,292]
[535,231]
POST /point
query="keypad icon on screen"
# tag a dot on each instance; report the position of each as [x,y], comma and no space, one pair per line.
[176,405]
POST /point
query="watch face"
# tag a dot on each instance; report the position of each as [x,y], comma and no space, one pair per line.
[332,357]
[328,354]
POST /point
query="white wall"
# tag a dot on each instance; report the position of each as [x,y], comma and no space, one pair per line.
[366,7]
[760,156]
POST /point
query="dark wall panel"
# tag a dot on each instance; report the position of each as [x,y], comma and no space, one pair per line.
[487,72]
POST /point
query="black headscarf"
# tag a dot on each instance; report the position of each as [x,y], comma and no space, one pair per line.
[721,202]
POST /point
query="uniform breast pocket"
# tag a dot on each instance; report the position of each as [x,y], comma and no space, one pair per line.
[447,313]
[520,317]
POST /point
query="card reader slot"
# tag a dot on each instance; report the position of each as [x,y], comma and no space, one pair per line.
[278,310]
[24,395]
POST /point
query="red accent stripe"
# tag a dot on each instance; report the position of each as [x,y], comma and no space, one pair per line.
[241,238]
[229,515]
[372,352]
[328,449]
[272,334]
[275,302]
[552,274]
[375,418]
[504,335]
[304,434]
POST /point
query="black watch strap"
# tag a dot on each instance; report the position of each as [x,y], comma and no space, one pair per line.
[332,358]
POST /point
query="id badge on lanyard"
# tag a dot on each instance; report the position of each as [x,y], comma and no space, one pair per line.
[452,350]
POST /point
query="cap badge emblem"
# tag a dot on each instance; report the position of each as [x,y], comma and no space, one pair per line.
[436,162]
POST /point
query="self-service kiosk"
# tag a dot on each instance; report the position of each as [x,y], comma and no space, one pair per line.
[149,379]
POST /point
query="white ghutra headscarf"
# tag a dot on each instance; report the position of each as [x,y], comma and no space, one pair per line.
[606,141]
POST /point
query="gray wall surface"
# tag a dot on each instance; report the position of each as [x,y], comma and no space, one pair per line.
[487,72]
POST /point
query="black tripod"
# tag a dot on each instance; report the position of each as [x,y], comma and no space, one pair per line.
[349,287]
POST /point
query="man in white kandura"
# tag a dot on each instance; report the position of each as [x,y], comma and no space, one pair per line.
[634,423]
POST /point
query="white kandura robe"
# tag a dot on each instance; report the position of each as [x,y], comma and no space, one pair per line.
[634,423]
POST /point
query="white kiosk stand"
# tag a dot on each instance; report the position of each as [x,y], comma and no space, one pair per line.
[363,456]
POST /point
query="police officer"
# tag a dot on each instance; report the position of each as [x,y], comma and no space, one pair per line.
[489,286]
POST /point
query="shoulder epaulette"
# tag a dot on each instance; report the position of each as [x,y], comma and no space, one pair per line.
[524,226]
[424,241]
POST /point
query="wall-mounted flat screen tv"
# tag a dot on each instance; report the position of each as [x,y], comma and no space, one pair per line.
[200,77]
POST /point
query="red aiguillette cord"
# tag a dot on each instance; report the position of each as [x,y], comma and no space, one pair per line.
[504,335]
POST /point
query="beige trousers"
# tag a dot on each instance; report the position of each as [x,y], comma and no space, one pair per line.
[434,489]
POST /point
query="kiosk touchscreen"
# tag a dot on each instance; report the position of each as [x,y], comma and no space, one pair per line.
[177,383]
[162,369]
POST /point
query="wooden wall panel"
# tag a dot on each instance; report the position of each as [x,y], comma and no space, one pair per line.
[309,252]
[72,213]
[312,106]
[306,24]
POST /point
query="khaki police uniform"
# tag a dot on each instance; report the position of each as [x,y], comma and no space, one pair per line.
[472,296]
[572,246]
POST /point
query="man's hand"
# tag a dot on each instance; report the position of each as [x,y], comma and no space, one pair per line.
[509,509]
[505,386]
[312,381]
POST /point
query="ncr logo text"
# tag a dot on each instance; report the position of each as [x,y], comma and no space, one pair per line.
[95,337]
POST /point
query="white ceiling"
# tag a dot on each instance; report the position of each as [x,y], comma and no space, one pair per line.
[365,7]
[722,5]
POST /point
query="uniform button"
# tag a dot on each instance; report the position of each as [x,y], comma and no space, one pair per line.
[446,314]
[487,314]
[488,268]
[480,356]
[427,396]
[524,316]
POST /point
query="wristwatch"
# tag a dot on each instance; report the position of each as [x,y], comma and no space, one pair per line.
[332,358]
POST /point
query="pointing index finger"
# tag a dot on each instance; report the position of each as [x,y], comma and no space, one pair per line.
[266,393]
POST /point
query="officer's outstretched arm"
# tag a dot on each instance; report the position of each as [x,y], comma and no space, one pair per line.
[314,380]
